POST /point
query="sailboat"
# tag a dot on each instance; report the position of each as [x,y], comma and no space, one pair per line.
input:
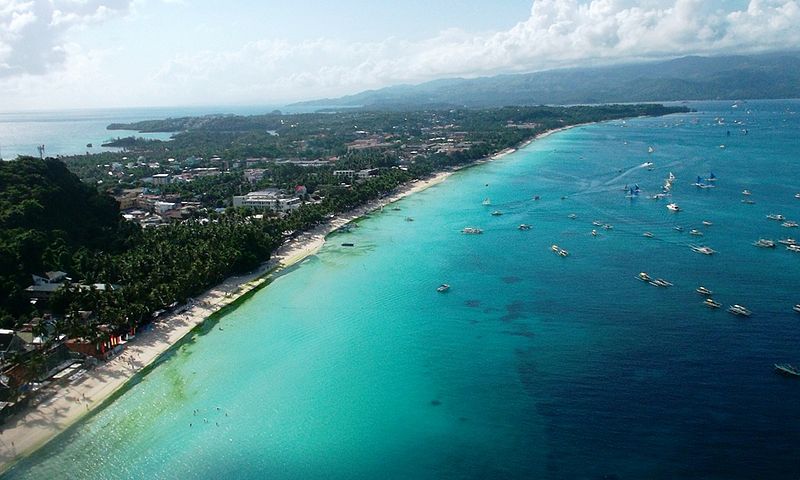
[650,149]
[711,177]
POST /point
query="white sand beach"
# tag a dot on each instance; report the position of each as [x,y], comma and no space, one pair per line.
[57,408]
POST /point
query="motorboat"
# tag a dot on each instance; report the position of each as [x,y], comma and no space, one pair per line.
[739,310]
[707,223]
[677,228]
[608,226]
[787,241]
[572,216]
[443,288]
[597,223]
[648,234]
[471,230]
[497,213]
[746,192]
[673,207]
[643,276]
[764,243]
[409,219]
[594,233]
[524,226]
[787,370]
[695,232]
[789,224]
[703,290]
[777,217]
[559,251]
[793,248]
[660,282]
[711,303]
[702,249]
[796,308]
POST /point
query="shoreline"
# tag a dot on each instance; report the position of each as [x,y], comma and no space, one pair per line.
[53,412]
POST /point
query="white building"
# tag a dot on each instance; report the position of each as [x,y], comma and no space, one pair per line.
[267,199]
[161,179]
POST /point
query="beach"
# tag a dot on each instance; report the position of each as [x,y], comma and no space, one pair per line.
[56,409]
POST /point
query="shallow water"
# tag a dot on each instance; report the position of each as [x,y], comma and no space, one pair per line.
[532,365]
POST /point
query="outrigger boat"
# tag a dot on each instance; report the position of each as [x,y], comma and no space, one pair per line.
[711,303]
[702,249]
[703,290]
[787,370]
[739,310]
[443,288]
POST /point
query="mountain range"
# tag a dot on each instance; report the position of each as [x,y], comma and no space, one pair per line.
[772,75]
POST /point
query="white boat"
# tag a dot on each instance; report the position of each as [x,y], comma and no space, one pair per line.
[703,290]
[572,216]
[793,248]
[597,223]
[643,276]
[677,228]
[789,224]
[648,234]
[486,201]
[497,213]
[594,233]
[471,230]
[797,195]
[650,149]
[702,249]
[558,250]
[671,177]
[443,288]
[777,217]
[660,282]
[796,308]
[695,232]
[673,207]
[764,243]
[787,241]
[739,310]
[524,226]
[707,223]
[711,303]
[608,226]
[787,370]
[746,192]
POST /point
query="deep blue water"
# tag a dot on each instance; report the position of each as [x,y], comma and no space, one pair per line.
[532,365]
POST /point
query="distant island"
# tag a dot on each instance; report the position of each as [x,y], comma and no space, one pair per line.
[773,75]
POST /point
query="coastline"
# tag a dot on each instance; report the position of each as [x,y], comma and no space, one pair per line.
[58,409]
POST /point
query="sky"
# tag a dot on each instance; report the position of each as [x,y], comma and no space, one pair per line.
[58,54]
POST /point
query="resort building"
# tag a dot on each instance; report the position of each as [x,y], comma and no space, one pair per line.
[267,199]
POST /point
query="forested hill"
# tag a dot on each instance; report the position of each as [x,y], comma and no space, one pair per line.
[46,214]
[688,78]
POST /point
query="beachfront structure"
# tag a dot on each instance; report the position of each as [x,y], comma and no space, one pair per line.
[267,199]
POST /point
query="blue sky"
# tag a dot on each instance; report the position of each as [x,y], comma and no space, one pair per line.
[94,53]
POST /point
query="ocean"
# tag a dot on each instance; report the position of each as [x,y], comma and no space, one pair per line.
[69,132]
[532,365]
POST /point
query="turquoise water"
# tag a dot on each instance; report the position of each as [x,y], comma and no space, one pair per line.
[532,365]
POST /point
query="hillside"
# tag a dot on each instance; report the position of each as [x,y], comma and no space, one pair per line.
[775,75]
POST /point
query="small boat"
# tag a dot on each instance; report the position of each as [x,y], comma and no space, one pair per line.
[671,177]
[711,303]
[695,232]
[572,216]
[797,195]
[558,250]
[346,244]
[594,233]
[787,241]
[789,224]
[608,226]
[707,223]
[650,149]
[660,282]
[409,219]
[748,201]
[703,290]
[395,209]
[88,145]
[643,276]
[777,217]
[673,207]
[677,228]
[739,310]
[648,234]
[796,308]
[793,248]
[443,288]
[524,226]
[497,213]
[746,192]
[597,223]
[702,249]
[787,370]
[536,197]
[764,243]
[711,177]
[471,230]
[486,201]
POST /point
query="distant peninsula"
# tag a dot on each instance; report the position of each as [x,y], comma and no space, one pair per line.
[764,76]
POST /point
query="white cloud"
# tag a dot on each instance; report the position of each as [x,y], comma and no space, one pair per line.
[557,33]
[32,33]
